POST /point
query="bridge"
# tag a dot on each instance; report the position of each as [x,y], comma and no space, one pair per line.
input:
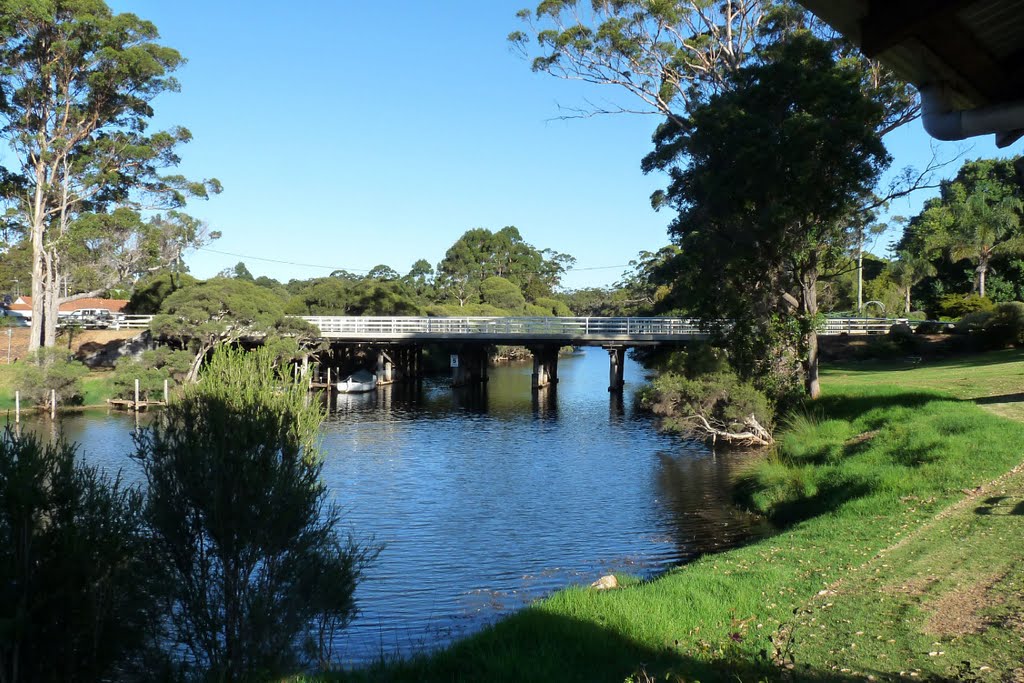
[543,336]
[398,340]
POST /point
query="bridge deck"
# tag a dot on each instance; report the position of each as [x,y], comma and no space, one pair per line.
[581,331]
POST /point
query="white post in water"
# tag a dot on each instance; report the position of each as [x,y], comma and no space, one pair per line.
[328,379]
[136,394]
[166,392]
[53,403]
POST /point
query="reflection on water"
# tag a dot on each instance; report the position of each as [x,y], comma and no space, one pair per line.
[485,498]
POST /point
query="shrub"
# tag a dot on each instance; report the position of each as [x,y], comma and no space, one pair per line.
[554,307]
[151,369]
[973,322]
[1005,325]
[932,327]
[721,398]
[959,305]
[51,369]
[917,315]
[255,565]
[501,293]
[74,579]
[903,336]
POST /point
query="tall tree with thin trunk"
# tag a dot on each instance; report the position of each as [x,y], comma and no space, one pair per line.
[76,86]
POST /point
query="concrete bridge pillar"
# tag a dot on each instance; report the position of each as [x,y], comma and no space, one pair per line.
[545,365]
[616,366]
[385,368]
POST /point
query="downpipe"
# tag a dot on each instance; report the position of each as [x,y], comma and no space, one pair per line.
[943,122]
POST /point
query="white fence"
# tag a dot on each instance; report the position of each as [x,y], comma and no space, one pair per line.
[409,326]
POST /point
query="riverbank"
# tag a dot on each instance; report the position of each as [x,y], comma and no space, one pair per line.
[903,558]
[96,389]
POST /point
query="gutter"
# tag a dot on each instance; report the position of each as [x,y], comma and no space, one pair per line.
[943,122]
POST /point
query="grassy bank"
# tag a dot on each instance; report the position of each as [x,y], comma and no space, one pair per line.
[96,388]
[900,518]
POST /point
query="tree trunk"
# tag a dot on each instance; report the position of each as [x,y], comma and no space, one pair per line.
[809,309]
[907,310]
[980,272]
[193,372]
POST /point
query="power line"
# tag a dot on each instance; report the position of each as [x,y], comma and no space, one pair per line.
[249,257]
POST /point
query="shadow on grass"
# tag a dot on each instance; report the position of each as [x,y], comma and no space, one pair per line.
[852,406]
[536,645]
[1003,398]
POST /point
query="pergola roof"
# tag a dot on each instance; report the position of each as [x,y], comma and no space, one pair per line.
[973,47]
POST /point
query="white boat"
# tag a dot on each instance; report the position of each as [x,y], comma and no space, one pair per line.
[358,382]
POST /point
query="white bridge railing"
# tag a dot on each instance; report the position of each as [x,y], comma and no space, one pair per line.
[410,326]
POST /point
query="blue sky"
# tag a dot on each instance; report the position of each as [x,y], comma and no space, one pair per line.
[353,134]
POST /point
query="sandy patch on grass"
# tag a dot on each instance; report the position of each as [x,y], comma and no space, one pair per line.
[958,612]
[916,586]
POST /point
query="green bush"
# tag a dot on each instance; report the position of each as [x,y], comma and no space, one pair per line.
[932,327]
[501,293]
[74,577]
[554,307]
[916,315]
[973,322]
[721,398]
[1005,325]
[257,575]
[903,336]
[48,370]
[151,368]
[958,305]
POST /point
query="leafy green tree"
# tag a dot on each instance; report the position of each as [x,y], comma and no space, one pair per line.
[480,254]
[321,296]
[241,272]
[75,579]
[258,573]
[668,55]
[764,177]
[382,297]
[976,217]
[421,279]
[382,272]
[500,293]
[101,71]
[218,311]
[149,293]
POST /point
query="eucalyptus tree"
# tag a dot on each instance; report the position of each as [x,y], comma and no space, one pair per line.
[668,54]
[764,177]
[77,84]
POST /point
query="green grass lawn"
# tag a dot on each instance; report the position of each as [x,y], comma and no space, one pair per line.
[888,542]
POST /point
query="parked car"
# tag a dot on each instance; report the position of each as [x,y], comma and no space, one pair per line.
[89,318]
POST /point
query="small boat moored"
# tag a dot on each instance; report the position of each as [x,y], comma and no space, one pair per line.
[358,382]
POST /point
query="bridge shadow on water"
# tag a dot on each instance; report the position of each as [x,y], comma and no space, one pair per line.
[536,645]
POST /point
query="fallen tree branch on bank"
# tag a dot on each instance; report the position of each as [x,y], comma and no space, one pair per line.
[755,434]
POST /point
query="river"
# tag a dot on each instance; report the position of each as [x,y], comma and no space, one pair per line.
[486,499]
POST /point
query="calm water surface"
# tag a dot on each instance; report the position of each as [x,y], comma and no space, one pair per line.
[486,499]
